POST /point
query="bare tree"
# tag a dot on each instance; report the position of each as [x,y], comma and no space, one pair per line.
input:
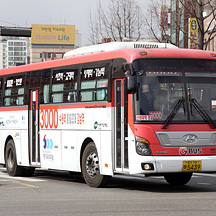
[203,10]
[119,20]
[155,25]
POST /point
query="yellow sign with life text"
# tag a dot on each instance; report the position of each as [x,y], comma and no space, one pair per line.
[53,34]
[193,34]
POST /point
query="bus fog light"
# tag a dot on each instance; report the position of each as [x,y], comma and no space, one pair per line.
[147,166]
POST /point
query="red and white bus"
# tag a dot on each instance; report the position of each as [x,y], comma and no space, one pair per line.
[137,108]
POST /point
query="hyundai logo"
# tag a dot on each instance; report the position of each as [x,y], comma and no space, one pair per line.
[190,138]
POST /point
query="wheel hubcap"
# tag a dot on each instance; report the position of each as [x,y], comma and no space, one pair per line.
[92,165]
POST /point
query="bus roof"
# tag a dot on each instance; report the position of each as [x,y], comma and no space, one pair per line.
[128,54]
[115,46]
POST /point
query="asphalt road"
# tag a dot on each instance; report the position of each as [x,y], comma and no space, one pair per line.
[60,193]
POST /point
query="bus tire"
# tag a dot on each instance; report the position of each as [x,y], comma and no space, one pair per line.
[178,178]
[90,168]
[11,160]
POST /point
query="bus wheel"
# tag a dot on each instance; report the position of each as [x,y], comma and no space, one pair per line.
[178,178]
[10,160]
[90,168]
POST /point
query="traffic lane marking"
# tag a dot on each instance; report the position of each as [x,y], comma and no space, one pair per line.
[23,185]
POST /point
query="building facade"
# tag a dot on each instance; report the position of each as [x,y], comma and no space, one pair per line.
[179,22]
[210,27]
[192,25]
[13,52]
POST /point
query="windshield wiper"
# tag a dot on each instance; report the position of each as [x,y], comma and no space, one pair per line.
[173,113]
[202,112]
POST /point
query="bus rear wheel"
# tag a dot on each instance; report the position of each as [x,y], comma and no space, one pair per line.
[90,168]
[178,178]
[11,161]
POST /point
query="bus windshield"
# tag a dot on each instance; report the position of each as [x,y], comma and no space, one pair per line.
[175,90]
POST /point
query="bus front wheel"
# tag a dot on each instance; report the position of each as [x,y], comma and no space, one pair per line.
[11,161]
[90,168]
[178,178]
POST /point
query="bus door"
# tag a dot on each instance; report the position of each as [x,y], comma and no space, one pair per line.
[34,141]
[121,126]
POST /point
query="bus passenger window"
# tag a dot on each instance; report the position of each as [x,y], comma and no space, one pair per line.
[46,94]
[94,82]
[1,83]
[7,101]
[63,82]
[71,97]
[7,92]
[44,87]
[87,96]
[57,98]
[101,94]
[57,87]
[14,91]
[20,101]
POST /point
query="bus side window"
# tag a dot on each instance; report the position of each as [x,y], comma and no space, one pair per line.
[71,97]
[102,85]
[64,86]
[14,90]
[45,83]
[20,99]
[94,82]
[87,95]
[1,84]
[7,101]
[101,94]
[57,96]
[88,89]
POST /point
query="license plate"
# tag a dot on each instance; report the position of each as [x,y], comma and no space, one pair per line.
[191,165]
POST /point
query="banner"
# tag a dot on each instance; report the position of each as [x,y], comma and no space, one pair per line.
[53,34]
[193,34]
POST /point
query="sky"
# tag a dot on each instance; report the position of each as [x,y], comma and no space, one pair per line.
[23,13]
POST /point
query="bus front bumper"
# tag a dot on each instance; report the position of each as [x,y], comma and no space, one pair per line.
[171,164]
[179,163]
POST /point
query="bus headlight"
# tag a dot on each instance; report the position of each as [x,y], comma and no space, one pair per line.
[142,147]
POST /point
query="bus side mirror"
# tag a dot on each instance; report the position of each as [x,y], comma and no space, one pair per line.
[131,84]
[131,78]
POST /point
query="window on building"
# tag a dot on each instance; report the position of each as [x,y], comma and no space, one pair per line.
[18,43]
[18,48]
[11,63]
[18,59]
